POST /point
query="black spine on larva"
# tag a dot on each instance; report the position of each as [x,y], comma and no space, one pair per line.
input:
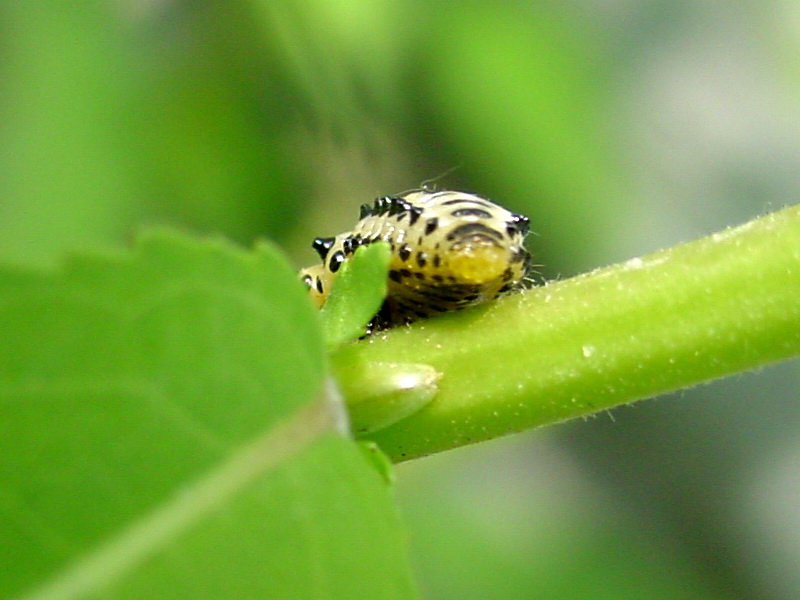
[415,212]
[347,245]
[381,205]
[323,246]
[365,211]
[518,224]
[397,206]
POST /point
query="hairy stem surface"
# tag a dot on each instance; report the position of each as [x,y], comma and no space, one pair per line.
[719,305]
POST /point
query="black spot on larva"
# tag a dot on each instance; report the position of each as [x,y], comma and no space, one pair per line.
[319,286]
[414,213]
[308,280]
[410,303]
[431,225]
[395,276]
[508,275]
[422,259]
[366,211]
[518,255]
[437,278]
[404,252]
[323,246]
[473,229]
[445,297]
[381,205]
[347,245]
[336,261]
[518,224]
[471,212]
[507,287]
[419,241]
[437,261]
[524,224]
[405,273]
[467,201]
[418,275]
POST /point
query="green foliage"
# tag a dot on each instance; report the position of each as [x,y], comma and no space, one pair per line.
[359,289]
[618,559]
[387,392]
[522,91]
[617,131]
[379,394]
[166,434]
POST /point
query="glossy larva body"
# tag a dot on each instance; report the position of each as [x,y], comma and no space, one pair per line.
[450,250]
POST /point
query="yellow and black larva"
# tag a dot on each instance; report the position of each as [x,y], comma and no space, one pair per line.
[450,250]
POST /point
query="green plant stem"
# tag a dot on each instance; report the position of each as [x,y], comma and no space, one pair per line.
[716,306]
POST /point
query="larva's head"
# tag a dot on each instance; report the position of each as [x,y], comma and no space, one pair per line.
[319,278]
[315,277]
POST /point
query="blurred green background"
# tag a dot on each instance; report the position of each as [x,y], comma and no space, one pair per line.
[618,127]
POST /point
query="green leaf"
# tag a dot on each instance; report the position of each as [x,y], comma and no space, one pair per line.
[713,307]
[387,392]
[67,170]
[384,393]
[357,294]
[167,435]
